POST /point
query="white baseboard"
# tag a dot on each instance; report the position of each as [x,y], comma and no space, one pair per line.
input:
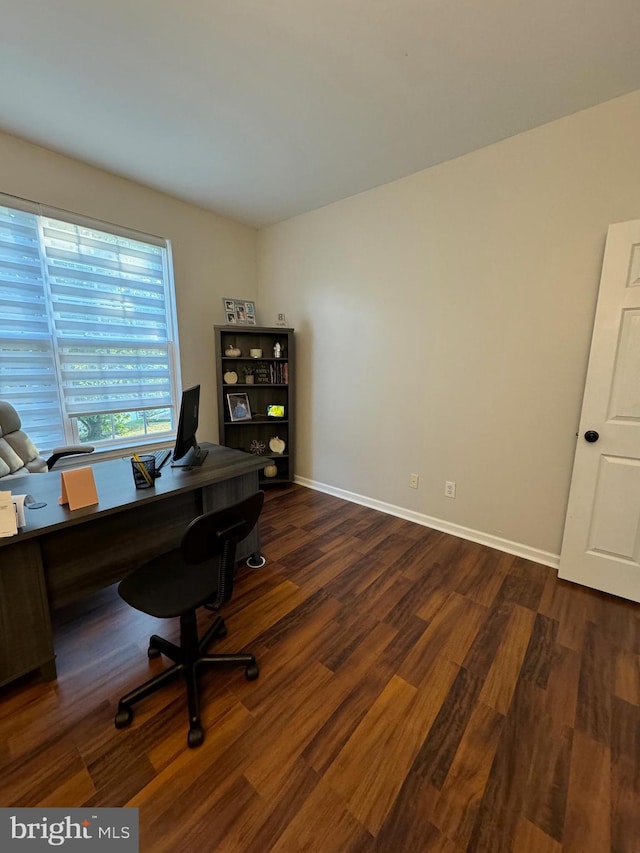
[518,549]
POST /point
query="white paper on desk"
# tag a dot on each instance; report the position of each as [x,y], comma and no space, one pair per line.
[8,526]
[18,502]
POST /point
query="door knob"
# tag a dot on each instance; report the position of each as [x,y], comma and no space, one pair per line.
[591,435]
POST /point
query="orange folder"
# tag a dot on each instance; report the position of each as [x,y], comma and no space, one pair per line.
[78,488]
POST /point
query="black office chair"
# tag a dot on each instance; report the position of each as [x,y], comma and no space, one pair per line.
[201,571]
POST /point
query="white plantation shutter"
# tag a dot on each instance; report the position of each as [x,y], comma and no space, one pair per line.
[85,320]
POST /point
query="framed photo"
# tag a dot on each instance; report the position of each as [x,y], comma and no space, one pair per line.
[275,411]
[239,408]
[239,312]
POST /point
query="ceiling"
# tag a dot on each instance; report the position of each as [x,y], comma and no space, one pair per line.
[264,109]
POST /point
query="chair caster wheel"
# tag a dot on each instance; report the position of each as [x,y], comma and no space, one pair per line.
[252,672]
[195,736]
[152,652]
[222,631]
[123,717]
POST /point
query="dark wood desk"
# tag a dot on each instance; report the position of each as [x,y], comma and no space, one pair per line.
[61,556]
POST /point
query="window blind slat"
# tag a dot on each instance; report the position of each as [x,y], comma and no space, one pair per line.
[132,400]
[108,290]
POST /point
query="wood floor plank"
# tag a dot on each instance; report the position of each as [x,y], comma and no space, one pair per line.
[568,604]
[205,827]
[320,572]
[540,652]
[546,793]
[483,573]
[561,694]
[262,824]
[587,823]
[449,636]
[75,791]
[393,548]
[375,535]
[389,736]
[289,645]
[352,629]
[221,712]
[408,825]
[430,547]
[218,761]
[268,770]
[504,797]
[366,790]
[324,823]
[458,806]
[503,675]
[627,677]
[425,596]
[35,778]
[283,730]
[296,541]
[484,647]
[523,584]
[439,748]
[355,578]
[596,686]
[313,613]
[530,838]
[625,776]
[617,621]
[118,773]
[246,625]
[326,744]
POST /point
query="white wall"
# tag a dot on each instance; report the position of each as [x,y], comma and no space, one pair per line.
[444,322]
[213,257]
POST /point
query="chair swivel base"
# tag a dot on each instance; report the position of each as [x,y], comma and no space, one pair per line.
[187,657]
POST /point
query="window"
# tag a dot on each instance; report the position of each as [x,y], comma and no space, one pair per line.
[88,349]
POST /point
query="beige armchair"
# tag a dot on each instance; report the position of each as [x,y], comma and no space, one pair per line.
[18,454]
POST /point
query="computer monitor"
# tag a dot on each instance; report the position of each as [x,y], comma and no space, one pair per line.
[187,453]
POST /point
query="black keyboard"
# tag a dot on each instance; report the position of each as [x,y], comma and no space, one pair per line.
[161,457]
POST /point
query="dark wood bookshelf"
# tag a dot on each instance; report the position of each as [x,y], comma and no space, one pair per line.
[274,384]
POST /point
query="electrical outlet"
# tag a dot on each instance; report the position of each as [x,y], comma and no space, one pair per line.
[413,481]
[449,489]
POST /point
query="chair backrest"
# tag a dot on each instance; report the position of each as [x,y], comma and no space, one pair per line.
[18,454]
[217,533]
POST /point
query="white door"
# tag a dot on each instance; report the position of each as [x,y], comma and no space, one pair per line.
[601,545]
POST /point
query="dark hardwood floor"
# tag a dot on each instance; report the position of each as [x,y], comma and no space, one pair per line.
[417,693]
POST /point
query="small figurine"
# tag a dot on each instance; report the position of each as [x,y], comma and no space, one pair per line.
[277,350]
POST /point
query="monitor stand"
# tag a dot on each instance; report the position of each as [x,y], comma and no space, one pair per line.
[193,457]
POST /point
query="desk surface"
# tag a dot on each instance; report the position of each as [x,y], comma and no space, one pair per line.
[116,490]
